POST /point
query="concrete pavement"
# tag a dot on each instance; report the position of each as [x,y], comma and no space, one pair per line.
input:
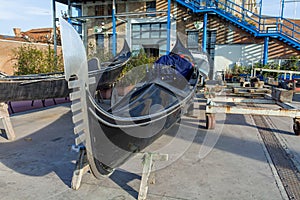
[227,163]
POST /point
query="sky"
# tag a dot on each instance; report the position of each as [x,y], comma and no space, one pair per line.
[26,14]
[31,14]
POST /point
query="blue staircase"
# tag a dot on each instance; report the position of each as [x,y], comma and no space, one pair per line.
[257,25]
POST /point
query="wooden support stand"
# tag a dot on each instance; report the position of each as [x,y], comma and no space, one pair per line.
[148,159]
[82,167]
[148,166]
[4,116]
[279,97]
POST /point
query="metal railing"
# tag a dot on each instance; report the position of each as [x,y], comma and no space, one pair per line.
[281,28]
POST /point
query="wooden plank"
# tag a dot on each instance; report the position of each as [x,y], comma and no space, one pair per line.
[82,167]
[282,95]
[253,111]
[4,115]
[148,165]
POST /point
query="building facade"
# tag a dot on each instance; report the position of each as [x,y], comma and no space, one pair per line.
[143,23]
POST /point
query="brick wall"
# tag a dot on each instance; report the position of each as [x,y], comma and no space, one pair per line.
[7,48]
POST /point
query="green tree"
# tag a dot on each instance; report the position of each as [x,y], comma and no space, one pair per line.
[31,60]
[291,64]
[134,70]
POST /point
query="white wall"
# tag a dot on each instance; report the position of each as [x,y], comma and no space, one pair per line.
[228,55]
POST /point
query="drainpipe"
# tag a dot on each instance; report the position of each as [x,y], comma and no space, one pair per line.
[168,27]
[266,47]
[204,36]
[114,27]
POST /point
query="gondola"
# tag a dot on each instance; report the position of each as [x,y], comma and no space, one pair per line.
[111,135]
[54,85]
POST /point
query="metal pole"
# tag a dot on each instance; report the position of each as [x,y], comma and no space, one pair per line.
[54,31]
[243,10]
[282,9]
[69,9]
[260,11]
[114,28]
[204,36]
[169,27]
[266,47]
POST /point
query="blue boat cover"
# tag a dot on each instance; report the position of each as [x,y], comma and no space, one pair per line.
[181,65]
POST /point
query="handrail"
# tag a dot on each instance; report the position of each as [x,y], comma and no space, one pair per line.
[281,27]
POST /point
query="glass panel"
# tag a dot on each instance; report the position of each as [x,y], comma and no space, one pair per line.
[151,5]
[154,34]
[136,27]
[193,38]
[155,27]
[100,40]
[163,26]
[136,35]
[145,27]
[163,34]
[145,34]
[135,49]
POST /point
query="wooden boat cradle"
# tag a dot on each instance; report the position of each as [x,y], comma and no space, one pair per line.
[148,160]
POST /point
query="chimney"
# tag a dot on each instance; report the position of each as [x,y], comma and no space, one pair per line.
[17,32]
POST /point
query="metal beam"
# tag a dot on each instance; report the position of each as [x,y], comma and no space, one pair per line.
[169,27]
[204,36]
[54,31]
[275,70]
[266,48]
[114,43]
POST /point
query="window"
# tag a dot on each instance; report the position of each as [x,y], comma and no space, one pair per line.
[100,40]
[100,43]
[109,9]
[148,35]
[149,30]
[99,10]
[192,40]
[151,7]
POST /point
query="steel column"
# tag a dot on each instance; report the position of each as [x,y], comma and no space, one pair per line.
[114,49]
[282,9]
[54,29]
[168,27]
[204,36]
[281,14]
[260,11]
[69,9]
[266,48]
